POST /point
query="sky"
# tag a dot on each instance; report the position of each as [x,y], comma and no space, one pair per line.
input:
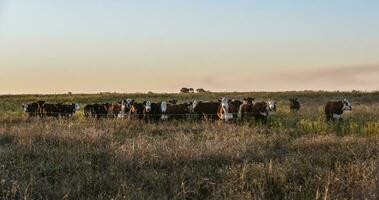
[91,46]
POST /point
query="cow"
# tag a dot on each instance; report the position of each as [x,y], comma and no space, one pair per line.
[335,109]
[205,110]
[97,110]
[246,109]
[152,111]
[294,104]
[31,109]
[136,110]
[50,110]
[67,110]
[262,109]
[174,111]
[115,109]
[228,109]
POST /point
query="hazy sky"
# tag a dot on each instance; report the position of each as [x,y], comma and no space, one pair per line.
[55,46]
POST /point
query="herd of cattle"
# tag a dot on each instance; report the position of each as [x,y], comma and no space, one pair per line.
[224,109]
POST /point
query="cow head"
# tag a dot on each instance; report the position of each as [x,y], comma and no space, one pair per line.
[271,106]
[25,107]
[126,104]
[225,109]
[293,100]
[248,100]
[76,106]
[163,107]
[193,105]
[147,105]
[346,105]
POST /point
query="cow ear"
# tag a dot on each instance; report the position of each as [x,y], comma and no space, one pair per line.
[219,101]
[144,103]
[245,98]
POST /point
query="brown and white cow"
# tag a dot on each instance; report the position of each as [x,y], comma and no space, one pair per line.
[228,109]
[294,104]
[175,111]
[136,110]
[335,109]
[246,108]
[262,109]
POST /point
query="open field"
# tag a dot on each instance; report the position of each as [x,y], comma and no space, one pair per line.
[294,156]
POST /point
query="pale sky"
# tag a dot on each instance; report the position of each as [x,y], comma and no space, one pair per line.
[90,46]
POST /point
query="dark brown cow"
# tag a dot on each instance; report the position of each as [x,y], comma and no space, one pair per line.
[97,110]
[246,108]
[115,109]
[334,109]
[262,109]
[294,104]
[31,109]
[206,110]
[174,111]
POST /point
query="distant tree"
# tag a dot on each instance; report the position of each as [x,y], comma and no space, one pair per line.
[69,93]
[184,90]
[201,90]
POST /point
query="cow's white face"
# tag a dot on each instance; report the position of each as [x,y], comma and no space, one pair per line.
[271,106]
[148,106]
[194,104]
[77,106]
[346,105]
[225,104]
[163,106]
[25,107]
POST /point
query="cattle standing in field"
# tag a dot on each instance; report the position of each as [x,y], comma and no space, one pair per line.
[97,110]
[228,109]
[126,104]
[246,108]
[31,109]
[261,110]
[334,109]
[50,110]
[136,110]
[207,110]
[174,111]
[115,109]
[294,104]
[68,110]
[152,111]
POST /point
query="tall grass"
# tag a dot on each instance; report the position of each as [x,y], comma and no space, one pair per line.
[295,156]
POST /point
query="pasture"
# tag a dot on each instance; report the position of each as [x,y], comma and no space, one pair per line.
[294,156]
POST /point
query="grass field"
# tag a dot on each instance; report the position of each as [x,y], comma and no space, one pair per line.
[294,156]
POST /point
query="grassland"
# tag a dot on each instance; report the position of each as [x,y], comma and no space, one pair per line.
[294,156]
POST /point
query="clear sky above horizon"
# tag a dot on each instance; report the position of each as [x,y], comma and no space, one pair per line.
[88,46]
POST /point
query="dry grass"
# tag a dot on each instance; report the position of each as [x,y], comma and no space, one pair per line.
[296,156]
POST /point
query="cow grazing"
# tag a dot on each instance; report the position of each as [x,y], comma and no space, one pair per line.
[31,109]
[207,110]
[294,104]
[68,110]
[335,109]
[246,108]
[174,111]
[261,110]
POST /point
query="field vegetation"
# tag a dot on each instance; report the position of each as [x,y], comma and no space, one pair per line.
[294,156]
